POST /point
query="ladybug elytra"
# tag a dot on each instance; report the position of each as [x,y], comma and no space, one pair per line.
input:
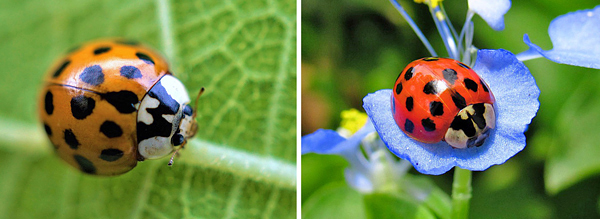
[440,99]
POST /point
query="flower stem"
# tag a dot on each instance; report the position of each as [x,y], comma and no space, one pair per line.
[528,55]
[414,26]
[463,34]
[440,22]
[461,193]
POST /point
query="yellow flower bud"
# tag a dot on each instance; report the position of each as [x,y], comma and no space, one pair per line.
[353,120]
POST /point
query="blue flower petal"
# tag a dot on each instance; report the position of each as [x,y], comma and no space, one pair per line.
[516,104]
[321,141]
[492,11]
[325,141]
[575,37]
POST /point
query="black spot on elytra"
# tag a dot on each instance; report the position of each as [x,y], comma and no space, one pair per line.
[409,104]
[430,59]
[428,124]
[398,88]
[458,100]
[466,125]
[111,154]
[84,164]
[478,116]
[187,110]
[111,129]
[450,75]
[144,57]
[124,101]
[436,108]
[130,72]
[92,75]
[429,88]
[409,126]
[70,139]
[471,85]
[160,126]
[47,129]
[82,106]
[408,74]
[101,50]
[483,85]
[177,139]
[48,103]
[61,68]
[463,65]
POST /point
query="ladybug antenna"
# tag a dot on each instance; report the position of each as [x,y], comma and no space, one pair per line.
[196,103]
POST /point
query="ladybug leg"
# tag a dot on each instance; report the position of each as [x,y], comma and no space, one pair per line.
[175,153]
[173,156]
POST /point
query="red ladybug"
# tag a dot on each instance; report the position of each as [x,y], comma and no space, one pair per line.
[440,99]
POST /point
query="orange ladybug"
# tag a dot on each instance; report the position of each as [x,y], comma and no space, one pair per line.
[111,103]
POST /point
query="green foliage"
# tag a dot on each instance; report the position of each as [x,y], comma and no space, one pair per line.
[389,206]
[334,194]
[416,196]
[510,186]
[362,46]
[573,156]
[242,164]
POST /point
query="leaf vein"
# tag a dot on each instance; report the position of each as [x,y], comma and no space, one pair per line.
[142,199]
[165,23]
[233,198]
[275,104]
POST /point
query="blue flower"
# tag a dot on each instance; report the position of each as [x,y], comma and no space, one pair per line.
[514,88]
[326,141]
[575,37]
[375,169]
[491,11]
[516,104]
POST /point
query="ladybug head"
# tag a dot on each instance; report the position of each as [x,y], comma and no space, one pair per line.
[165,119]
[471,126]
[188,127]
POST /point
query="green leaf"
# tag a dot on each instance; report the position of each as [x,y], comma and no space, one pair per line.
[574,154]
[319,170]
[394,206]
[422,189]
[334,200]
[518,197]
[419,198]
[242,164]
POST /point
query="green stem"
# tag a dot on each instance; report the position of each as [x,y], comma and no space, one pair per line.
[461,193]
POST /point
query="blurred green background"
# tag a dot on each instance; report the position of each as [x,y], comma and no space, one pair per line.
[241,164]
[354,47]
